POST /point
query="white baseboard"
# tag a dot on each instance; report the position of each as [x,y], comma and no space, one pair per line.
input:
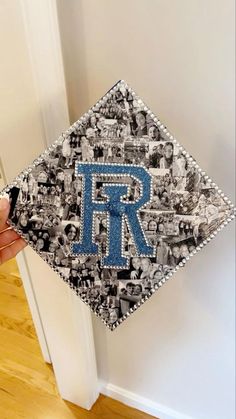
[138,402]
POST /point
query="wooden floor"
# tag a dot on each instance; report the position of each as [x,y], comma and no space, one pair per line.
[27,383]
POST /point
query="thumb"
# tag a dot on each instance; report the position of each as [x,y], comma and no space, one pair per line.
[4,211]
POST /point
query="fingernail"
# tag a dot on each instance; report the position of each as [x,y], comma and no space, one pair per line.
[3,204]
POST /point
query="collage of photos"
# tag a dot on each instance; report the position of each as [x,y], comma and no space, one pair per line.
[184,210]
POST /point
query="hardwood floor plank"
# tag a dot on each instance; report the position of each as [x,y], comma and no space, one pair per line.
[22,326]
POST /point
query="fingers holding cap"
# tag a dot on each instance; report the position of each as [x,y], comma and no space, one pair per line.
[4,212]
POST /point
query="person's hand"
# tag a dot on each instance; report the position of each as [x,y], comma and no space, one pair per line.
[133,275]
[10,242]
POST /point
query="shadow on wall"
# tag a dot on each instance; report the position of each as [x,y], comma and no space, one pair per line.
[101,345]
[221,155]
[75,69]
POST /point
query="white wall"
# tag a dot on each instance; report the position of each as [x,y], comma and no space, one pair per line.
[21,131]
[178,349]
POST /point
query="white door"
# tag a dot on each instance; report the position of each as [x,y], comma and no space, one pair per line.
[33,114]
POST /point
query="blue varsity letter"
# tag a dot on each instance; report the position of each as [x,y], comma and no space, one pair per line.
[117,209]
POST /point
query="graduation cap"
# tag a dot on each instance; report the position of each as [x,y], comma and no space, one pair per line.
[110,163]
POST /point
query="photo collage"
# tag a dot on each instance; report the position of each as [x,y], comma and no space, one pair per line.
[184,209]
